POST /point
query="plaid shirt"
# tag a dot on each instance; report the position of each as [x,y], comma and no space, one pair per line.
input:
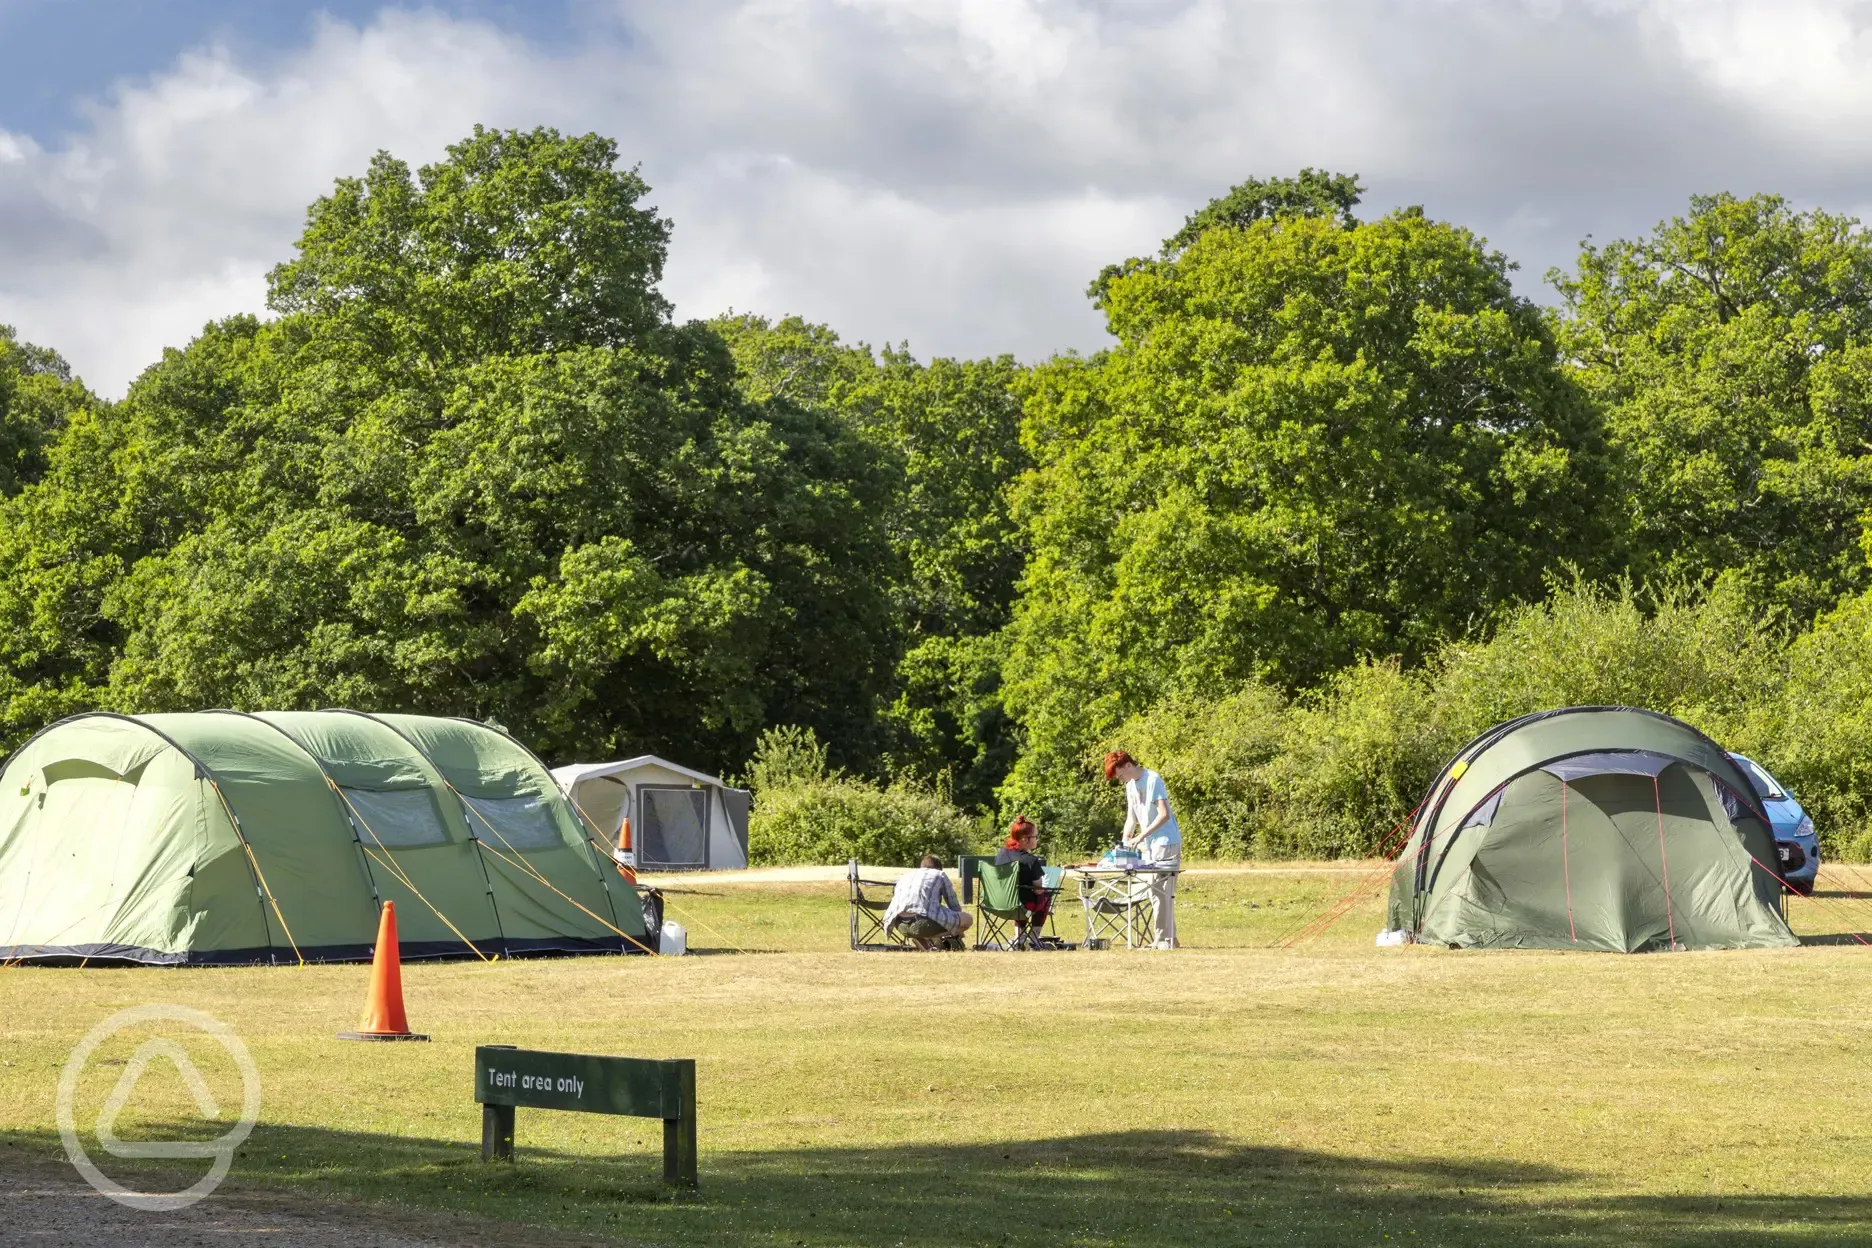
[925,892]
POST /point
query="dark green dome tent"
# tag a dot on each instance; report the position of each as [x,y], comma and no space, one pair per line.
[1593,827]
[223,837]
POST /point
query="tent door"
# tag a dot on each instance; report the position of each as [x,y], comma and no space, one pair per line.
[671,832]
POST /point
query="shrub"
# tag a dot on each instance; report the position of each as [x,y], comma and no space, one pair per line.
[1332,772]
[784,756]
[1322,776]
[1816,735]
[1706,657]
[1354,762]
[806,814]
[1212,754]
[832,821]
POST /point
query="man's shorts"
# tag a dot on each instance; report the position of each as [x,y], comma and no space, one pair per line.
[916,927]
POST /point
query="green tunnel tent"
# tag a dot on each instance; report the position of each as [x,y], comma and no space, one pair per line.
[1604,828]
[223,837]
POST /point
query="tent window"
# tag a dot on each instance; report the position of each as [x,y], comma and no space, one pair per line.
[396,818]
[1732,804]
[1609,763]
[85,769]
[675,827]
[603,804]
[518,822]
[1484,815]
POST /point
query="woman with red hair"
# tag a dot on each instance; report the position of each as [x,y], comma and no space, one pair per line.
[1157,838]
[1036,901]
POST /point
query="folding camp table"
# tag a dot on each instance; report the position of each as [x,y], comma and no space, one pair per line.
[1117,902]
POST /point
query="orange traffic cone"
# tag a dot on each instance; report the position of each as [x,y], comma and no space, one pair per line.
[626,857]
[383,1008]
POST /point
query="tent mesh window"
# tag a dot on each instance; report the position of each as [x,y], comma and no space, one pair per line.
[518,822]
[396,818]
[675,828]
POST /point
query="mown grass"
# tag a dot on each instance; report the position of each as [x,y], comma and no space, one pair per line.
[1230,1093]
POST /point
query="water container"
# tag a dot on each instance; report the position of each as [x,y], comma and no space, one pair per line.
[672,941]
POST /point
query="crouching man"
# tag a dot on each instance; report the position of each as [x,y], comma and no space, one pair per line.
[923,907]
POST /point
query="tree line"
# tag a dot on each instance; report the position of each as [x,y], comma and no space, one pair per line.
[471,464]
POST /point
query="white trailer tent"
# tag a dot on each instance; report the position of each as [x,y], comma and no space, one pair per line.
[680,820]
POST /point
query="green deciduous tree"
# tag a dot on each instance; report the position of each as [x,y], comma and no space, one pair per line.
[1311,193]
[955,427]
[1731,350]
[471,469]
[949,431]
[38,397]
[1313,442]
[520,242]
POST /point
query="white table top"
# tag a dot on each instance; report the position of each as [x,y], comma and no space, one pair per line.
[1142,868]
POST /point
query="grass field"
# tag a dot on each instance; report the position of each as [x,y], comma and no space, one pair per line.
[1228,1093]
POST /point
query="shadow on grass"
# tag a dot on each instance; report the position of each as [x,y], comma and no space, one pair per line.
[1150,1189]
[1861,940]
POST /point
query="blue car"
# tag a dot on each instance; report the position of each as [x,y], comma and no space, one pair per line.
[1795,843]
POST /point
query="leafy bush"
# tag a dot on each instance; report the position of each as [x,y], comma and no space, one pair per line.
[805,813]
[1706,657]
[1354,763]
[1333,772]
[1213,754]
[1254,774]
[785,756]
[833,821]
[1816,734]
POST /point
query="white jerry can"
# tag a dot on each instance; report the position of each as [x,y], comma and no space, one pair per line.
[672,941]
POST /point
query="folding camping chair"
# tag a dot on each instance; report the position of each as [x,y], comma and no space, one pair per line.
[967,867]
[998,905]
[868,933]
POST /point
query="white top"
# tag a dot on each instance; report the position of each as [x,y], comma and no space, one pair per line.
[1141,798]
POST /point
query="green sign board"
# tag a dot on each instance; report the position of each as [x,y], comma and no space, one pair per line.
[507,1078]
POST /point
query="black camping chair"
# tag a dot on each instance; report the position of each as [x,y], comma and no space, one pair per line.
[868,934]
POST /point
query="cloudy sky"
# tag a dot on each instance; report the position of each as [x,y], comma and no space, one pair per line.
[950,172]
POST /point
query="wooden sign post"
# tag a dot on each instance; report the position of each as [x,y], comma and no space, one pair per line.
[506,1078]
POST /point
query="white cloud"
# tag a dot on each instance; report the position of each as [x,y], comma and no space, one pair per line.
[186,188]
[1804,62]
[948,171]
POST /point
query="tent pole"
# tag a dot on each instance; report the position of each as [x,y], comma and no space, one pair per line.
[1566,866]
[1670,918]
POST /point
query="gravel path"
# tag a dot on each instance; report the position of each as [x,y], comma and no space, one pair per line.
[43,1205]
